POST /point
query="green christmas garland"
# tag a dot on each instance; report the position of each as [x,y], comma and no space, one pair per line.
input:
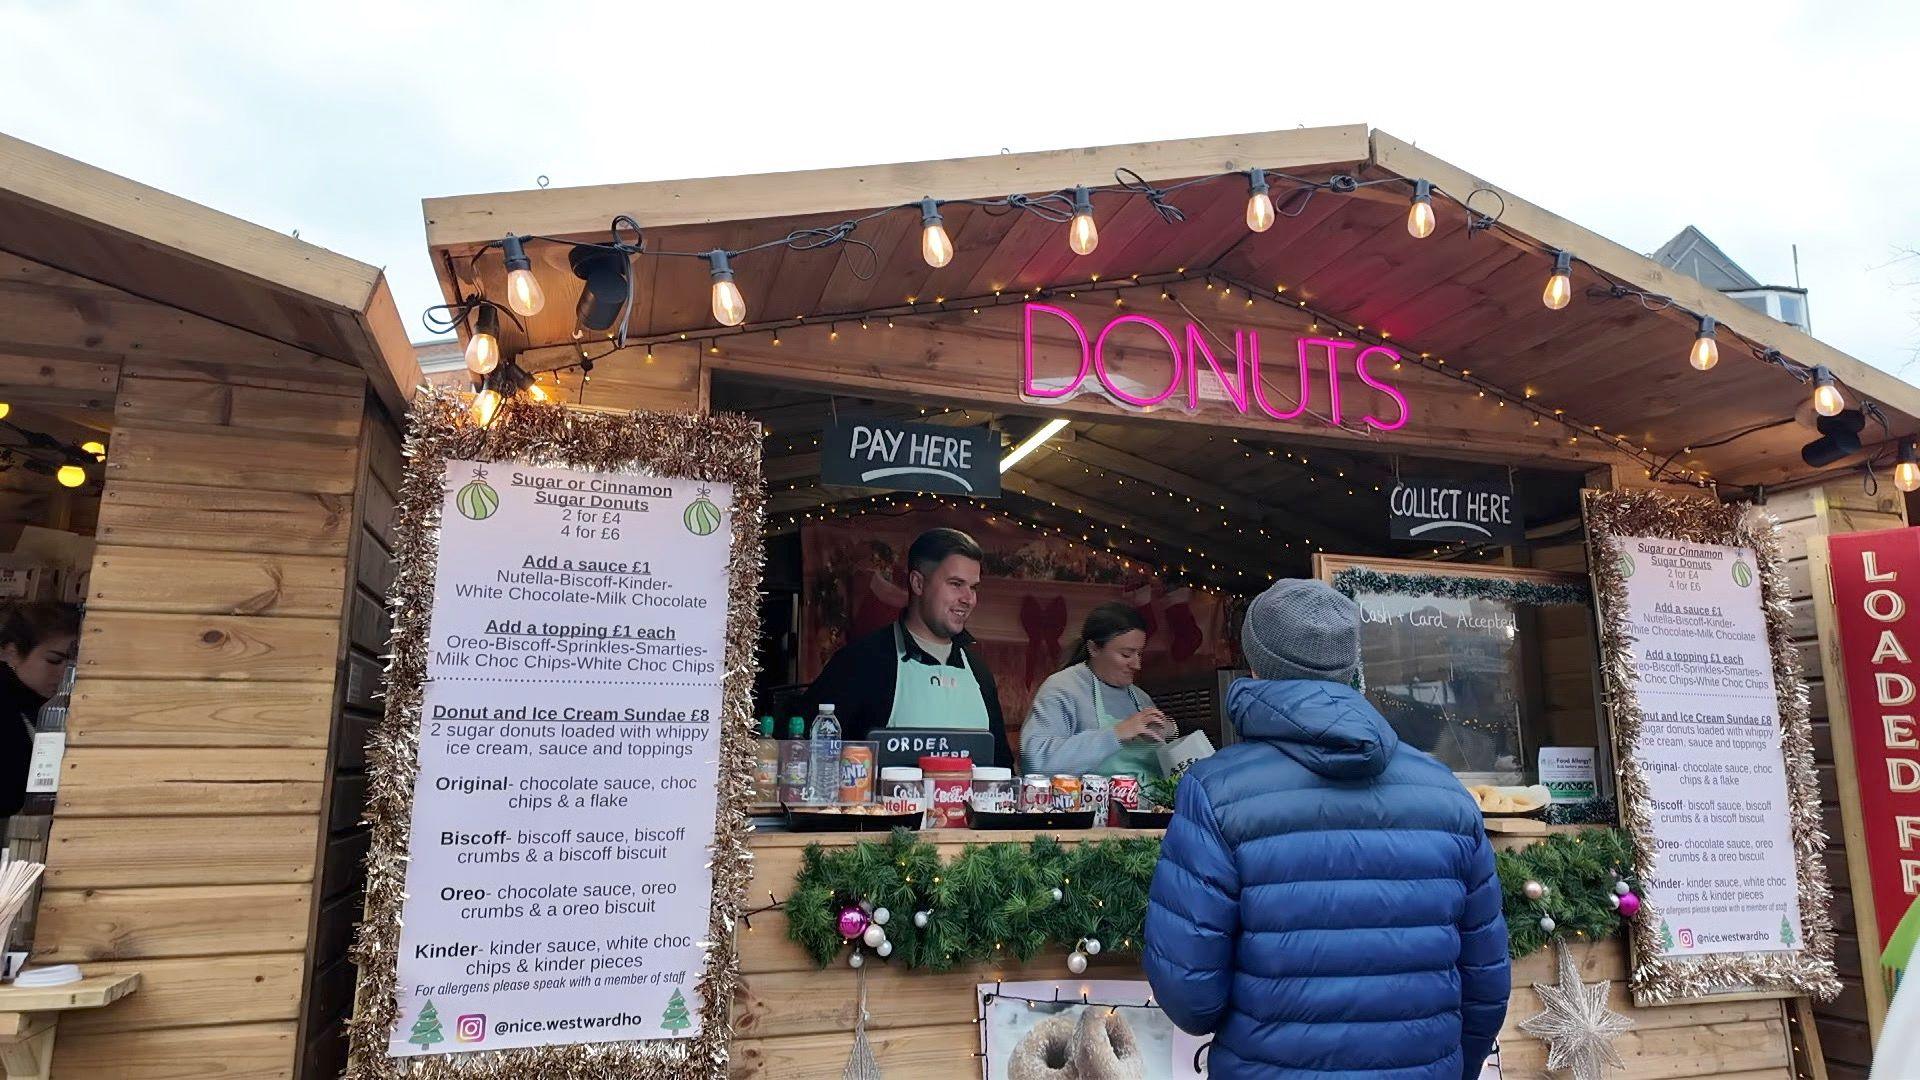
[1357,580]
[994,901]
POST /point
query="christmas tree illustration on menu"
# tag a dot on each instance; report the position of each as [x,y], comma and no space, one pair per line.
[1786,932]
[676,1019]
[426,1028]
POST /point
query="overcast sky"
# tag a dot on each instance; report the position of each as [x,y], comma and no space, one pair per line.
[1767,123]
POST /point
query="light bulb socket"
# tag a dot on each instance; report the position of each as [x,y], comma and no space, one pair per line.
[516,253]
[1909,452]
[929,214]
[486,320]
[1257,181]
[1082,201]
[717,265]
[1823,377]
[605,272]
[1562,262]
[1708,327]
[1423,191]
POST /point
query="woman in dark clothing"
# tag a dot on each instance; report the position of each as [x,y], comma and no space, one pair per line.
[37,641]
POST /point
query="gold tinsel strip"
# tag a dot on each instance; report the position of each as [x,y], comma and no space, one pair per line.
[1656,979]
[722,449]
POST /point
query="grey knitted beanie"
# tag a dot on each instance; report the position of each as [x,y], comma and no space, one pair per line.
[1301,629]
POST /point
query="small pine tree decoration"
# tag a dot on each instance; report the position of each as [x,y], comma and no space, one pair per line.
[1786,932]
[676,1019]
[1666,935]
[426,1028]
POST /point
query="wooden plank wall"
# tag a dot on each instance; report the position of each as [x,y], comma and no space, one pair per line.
[338,890]
[793,1022]
[1840,507]
[190,806]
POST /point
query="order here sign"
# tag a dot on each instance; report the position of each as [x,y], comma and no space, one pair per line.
[1876,593]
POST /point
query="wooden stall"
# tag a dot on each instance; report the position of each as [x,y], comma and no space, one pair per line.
[204,831]
[1210,484]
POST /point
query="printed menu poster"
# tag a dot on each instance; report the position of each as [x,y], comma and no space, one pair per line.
[1724,878]
[558,890]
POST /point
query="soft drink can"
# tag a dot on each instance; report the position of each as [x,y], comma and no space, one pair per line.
[1067,794]
[1036,793]
[1125,796]
[856,774]
[1094,788]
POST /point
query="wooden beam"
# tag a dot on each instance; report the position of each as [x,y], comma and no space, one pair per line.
[467,220]
[1160,533]
[1289,521]
[1640,272]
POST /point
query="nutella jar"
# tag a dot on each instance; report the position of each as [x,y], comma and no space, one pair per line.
[903,790]
[993,791]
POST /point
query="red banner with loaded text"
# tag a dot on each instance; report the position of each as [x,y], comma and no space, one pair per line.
[1876,595]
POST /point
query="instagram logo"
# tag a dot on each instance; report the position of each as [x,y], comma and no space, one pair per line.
[1686,938]
[471,1028]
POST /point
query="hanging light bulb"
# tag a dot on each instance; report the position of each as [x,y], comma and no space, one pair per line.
[935,245]
[95,447]
[70,475]
[5,408]
[483,348]
[524,295]
[1826,392]
[1559,291]
[1083,235]
[1259,201]
[1420,214]
[485,404]
[537,392]
[1706,352]
[729,307]
[1906,475]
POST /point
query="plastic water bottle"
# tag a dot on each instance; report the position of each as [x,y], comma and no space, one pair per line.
[823,758]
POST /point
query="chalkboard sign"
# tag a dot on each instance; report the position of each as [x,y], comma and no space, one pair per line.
[906,746]
[1455,510]
[899,456]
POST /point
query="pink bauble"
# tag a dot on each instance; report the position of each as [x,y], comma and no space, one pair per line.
[853,922]
[1629,905]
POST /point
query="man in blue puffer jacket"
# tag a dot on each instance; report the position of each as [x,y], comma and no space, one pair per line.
[1326,903]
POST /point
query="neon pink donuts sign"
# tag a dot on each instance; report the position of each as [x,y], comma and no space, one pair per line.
[1194,361]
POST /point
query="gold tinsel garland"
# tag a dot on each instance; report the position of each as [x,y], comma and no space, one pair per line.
[722,449]
[1657,979]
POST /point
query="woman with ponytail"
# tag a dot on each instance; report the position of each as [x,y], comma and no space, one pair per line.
[1089,717]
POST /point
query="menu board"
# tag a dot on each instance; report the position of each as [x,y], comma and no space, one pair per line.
[558,888]
[1709,747]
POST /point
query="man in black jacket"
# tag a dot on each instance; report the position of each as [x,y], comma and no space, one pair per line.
[922,671]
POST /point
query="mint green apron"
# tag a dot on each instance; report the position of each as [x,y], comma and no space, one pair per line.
[935,696]
[1141,760]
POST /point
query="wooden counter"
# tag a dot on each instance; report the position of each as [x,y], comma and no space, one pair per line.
[794,1021]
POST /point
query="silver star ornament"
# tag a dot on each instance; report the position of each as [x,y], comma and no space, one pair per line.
[1578,1027]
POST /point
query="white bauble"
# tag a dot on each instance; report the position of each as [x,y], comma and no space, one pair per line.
[1092,946]
[920,919]
[1547,924]
[1077,963]
[1621,888]
[874,936]
[885,949]
[856,960]
[1058,895]
[1613,901]
[881,915]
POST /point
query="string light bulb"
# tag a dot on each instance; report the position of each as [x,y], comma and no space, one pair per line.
[486,403]
[95,447]
[5,408]
[935,245]
[70,476]
[1420,214]
[729,307]
[1826,392]
[483,348]
[1906,474]
[1259,201]
[1559,290]
[1706,351]
[1083,235]
[524,294]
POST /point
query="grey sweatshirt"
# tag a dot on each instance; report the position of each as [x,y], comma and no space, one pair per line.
[1063,733]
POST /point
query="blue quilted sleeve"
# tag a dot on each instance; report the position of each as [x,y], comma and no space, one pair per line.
[1193,916]
[1485,978]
